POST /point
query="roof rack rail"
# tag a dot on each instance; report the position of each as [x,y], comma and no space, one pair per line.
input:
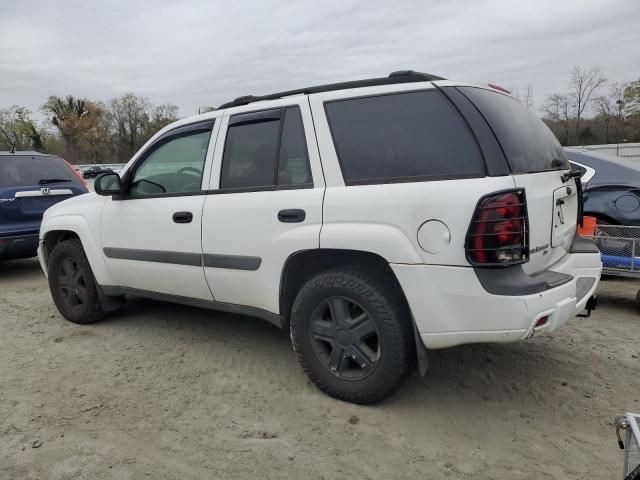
[401,76]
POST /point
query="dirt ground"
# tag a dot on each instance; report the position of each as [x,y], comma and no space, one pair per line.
[170,392]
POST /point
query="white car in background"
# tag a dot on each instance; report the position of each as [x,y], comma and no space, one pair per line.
[375,219]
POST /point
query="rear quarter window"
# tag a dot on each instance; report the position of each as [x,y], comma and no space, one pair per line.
[26,171]
[402,137]
[528,144]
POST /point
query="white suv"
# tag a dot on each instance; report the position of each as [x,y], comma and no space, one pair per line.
[375,219]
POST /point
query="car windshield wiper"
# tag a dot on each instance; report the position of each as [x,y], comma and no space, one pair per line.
[47,181]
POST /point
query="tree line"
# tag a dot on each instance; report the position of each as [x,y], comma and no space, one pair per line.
[83,130]
[590,111]
[594,111]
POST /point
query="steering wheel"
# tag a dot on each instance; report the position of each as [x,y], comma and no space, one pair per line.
[193,169]
[191,187]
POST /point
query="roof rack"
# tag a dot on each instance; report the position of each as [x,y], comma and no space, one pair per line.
[401,76]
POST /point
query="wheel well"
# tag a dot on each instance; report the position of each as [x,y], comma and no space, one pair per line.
[301,266]
[53,238]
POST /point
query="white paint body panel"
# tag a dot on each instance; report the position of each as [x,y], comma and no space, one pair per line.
[385,219]
[80,215]
[451,307]
[147,224]
[247,224]
[544,227]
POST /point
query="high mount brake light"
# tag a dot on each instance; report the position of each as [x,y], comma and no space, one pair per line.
[82,180]
[499,88]
[498,235]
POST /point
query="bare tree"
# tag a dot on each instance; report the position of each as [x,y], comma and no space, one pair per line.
[130,116]
[135,119]
[527,99]
[557,111]
[583,89]
[632,98]
[605,106]
[616,94]
[162,116]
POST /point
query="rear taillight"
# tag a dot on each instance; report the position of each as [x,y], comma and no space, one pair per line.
[498,235]
[77,174]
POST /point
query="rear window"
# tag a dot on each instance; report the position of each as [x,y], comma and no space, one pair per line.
[527,142]
[26,171]
[402,137]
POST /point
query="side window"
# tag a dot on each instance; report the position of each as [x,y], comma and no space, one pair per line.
[249,157]
[402,137]
[266,152]
[173,167]
[293,165]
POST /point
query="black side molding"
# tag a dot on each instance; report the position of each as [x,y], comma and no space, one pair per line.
[236,262]
[176,258]
[583,245]
[512,281]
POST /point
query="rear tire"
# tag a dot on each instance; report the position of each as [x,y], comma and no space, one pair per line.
[72,284]
[352,332]
[633,474]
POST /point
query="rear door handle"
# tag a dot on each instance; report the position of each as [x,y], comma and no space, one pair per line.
[182,217]
[293,215]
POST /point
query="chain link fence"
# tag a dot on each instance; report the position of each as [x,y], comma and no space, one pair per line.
[629,151]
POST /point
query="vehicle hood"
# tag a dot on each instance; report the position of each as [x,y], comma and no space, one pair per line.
[611,171]
[87,204]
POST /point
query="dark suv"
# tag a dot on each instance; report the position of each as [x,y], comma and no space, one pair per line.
[30,182]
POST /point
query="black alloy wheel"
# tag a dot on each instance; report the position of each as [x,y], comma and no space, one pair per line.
[345,338]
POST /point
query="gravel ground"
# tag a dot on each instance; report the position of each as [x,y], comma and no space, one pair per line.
[170,392]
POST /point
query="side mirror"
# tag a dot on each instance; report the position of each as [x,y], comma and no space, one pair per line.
[108,184]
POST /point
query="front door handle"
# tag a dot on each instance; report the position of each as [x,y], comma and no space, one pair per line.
[182,217]
[293,215]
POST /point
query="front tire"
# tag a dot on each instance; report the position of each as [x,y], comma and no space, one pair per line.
[72,284]
[352,333]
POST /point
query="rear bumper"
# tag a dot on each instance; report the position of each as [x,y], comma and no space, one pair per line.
[20,246]
[451,306]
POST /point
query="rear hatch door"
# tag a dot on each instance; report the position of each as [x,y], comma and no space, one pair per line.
[539,166]
[29,184]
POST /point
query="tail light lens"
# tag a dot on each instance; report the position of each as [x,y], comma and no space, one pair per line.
[498,235]
[77,174]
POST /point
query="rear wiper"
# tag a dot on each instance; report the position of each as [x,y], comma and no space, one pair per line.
[569,175]
[47,181]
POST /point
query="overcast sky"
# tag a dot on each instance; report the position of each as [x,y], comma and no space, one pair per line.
[194,53]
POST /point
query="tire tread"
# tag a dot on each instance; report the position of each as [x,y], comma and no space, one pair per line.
[390,308]
[73,248]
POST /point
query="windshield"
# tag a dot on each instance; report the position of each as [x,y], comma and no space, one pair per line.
[27,171]
[527,142]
